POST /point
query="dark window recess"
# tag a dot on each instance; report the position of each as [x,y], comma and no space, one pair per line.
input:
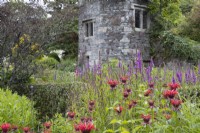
[88,28]
[137,18]
[91,29]
[145,19]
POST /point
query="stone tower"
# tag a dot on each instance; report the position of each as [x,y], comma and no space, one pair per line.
[113,29]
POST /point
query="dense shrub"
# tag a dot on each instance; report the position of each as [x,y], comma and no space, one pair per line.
[176,47]
[67,65]
[55,56]
[47,62]
[16,110]
[50,98]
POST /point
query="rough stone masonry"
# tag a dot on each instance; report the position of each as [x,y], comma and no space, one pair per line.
[113,29]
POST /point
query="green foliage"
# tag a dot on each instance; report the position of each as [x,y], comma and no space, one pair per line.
[55,56]
[191,26]
[67,65]
[179,48]
[166,12]
[50,98]
[61,125]
[47,62]
[16,110]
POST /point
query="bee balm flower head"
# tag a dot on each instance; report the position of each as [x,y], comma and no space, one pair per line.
[5,127]
[112,83]
[146,118]
[85,127]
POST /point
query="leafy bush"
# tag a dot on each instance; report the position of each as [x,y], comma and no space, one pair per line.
[55,56]
[16,110]
[47,62]
[191,26]
[50,98]
[67,65]
[179,48]
[61,125]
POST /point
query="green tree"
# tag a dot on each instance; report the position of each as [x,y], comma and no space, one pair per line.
[63,26]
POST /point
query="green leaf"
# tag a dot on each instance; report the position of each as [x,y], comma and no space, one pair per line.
[114,121]
[136,129]
[109,131]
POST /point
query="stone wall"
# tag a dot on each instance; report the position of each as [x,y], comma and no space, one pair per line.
[114,31]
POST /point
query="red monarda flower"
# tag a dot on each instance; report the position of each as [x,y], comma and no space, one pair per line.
[91,103]
[128,90]
[151,103]
[71,115]
[148,92]
[170,93]
[176,103]
[125,94]
[26,129]
[14,127]
[132,104]
[112,83]
[47,125]
[168,116]
[173,86]
[76,127]
[151,85]
[90,108]
[86,127]
[5,127]
[119,109]
[146,118]
[124,79]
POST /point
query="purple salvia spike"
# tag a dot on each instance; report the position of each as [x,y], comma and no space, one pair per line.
[173,80]
[194,78]
[186,78]
[119,64]
[179,76]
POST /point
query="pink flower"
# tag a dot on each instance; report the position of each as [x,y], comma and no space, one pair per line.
[146,118]
[173,86]
[26,129]
[85,127]
[128,90]
[76,127]
[132,104]
[14,127]
[125,94]
[151,103]
[5,127]
[112,83]
[124,79]
[168,116]
[118,109]
[176,103]
[151,85]
[148,92]
[91,103]
[71,115]
[170,94]
[47,125]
